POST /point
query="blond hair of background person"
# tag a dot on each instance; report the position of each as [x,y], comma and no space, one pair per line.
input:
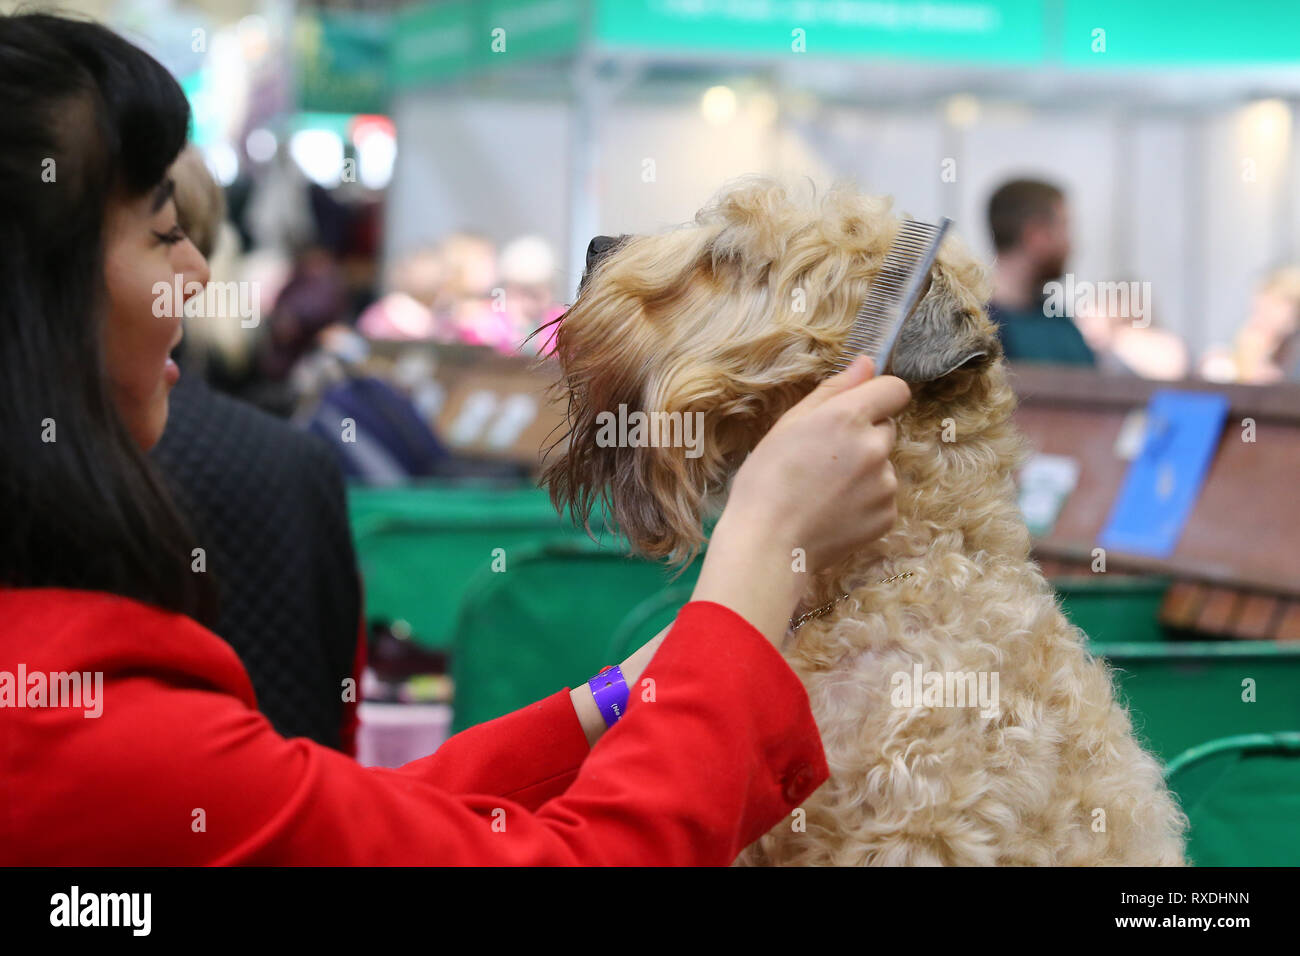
[1267,347]
[214,344]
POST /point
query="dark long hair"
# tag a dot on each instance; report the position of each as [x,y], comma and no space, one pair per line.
[87,117]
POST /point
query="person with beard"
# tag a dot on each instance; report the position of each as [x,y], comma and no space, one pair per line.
[1029,220]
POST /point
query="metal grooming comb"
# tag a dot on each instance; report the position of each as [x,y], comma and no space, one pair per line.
[894,294]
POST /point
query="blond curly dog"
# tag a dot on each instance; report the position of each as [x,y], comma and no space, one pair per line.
[962,717]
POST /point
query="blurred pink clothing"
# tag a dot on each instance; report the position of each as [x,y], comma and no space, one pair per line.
[397,316]
[479,324]
[507,332]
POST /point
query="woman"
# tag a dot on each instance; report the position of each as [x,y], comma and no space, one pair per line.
[1268,345]
[158,755]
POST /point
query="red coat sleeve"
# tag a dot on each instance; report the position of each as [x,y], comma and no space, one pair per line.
[530,755]
[717,746]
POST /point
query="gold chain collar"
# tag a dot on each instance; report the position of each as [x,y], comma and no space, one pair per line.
[806,616]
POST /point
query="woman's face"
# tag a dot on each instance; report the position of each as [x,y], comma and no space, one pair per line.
[144,247]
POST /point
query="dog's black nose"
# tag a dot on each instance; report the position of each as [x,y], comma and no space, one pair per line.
[598,249]
[601,246]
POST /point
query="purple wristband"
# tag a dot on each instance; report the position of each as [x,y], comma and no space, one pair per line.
[609,687]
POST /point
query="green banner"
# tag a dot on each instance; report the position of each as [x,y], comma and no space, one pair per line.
[1156,33]
[341,61]
[431,42]
[437,42]
[1001,31]
[532,30]
[444,40]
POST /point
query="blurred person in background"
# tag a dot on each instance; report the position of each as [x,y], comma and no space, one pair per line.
[1125,339]
[200,203]
[405,312]
[268,504]
[355,226]
[277,209]
[1030,223]
[217,348]
[465,297]
[450,294]
[315,298]
[1267,348]
[527,280]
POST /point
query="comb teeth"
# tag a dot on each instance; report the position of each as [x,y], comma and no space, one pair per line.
[894,293]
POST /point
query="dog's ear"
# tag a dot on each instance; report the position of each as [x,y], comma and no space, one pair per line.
[944,334]
[666,393]
[928,353]
[654,463]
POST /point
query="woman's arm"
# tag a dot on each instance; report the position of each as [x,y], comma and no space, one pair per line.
[819,481]
[180,768]
[528,756]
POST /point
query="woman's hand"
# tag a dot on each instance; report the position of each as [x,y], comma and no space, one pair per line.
[819,481]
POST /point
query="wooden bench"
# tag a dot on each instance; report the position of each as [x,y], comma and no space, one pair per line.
[1236,568]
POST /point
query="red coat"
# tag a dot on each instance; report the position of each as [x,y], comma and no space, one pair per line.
[181,768]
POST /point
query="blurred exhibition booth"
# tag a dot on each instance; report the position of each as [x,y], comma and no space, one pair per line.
[392,171]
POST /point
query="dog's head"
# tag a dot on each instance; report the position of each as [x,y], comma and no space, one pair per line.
[684,348]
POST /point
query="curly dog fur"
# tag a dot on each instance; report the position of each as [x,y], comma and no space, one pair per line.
[740,314]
